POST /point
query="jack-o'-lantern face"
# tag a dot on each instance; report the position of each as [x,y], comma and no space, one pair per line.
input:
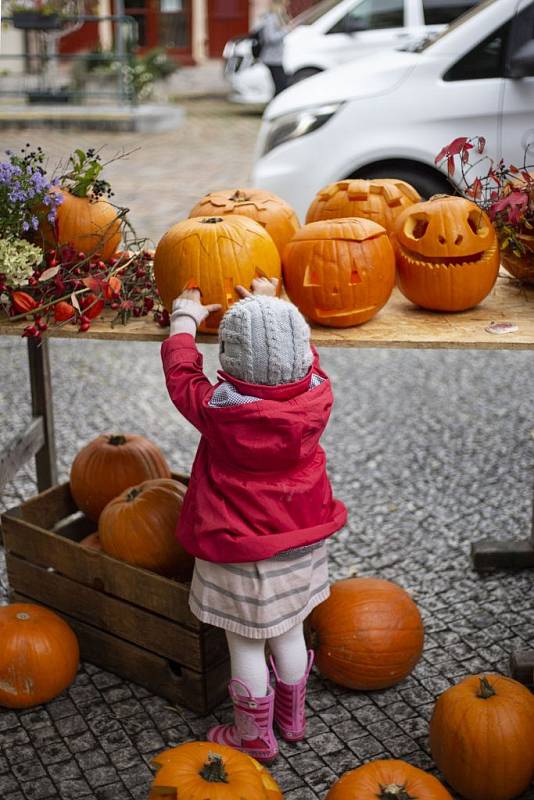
[447,254]
[339,272]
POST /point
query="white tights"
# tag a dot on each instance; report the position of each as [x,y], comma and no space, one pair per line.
[248,658]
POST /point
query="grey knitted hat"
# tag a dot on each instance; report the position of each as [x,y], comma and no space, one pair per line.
[265,340]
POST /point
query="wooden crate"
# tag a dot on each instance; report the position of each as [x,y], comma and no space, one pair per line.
[128,620]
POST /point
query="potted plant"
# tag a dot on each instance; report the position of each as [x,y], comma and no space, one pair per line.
[35,15]
[505,192]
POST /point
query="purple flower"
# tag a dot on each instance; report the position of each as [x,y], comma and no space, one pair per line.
[35,223]
[51,217]
[25,226]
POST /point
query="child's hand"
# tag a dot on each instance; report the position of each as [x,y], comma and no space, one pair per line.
[264,285]
[195,296]
[188,312]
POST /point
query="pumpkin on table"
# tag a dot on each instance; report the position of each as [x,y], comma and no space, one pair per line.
[482,737]
[380,200]
[388,779]
[139,526]
[367,635]
[39,655]
[214,254]
[272,213]
[91,225]
[212,772]
[339,272]
[110,464]
[447,254]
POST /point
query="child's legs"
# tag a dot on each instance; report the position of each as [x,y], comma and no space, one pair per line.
[290,654]
[248,663]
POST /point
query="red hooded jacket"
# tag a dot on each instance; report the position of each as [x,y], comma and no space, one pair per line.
[258,484]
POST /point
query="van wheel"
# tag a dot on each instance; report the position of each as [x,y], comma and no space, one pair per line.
[426,183]
[302,74]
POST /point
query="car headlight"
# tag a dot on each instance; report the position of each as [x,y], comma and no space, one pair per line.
[292,126]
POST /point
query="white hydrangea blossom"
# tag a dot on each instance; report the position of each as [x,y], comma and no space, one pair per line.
[18,259]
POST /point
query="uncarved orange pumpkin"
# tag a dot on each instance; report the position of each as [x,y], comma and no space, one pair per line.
[91,226]
[339,272]
[447,254]
[39,655]
[482,737]
[380,200]
[139,526]
[388,779]
[270,211]
[215,254]
[367,635]
[110,464]
[212,772]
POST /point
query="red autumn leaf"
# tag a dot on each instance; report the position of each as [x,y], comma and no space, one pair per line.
[92,306]
[450,166]
[63,311]
[481,144]
[94,284]
[513,170]
[527,176]
[513,206]
[112,286]
[23,302]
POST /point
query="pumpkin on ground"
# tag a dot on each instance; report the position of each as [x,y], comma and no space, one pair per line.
[388,779]
[214,254]
[110,464]
[339,272]
[272,213]
[39,655]
[482,737]
[212,772]
[139,526]
[380,200]
[447,254]
[367,635]
[90,225]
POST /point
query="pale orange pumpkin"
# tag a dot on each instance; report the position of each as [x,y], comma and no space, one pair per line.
[367,635]
[215,254]
[139,526]
[380,200]
[447,254]
[90,225]
[111,463]
[482,737]
[212,772]
[387,779]
[272,213]
[39,655]
[339,272]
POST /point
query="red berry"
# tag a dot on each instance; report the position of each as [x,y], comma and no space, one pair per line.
[80,256]
[42,325]
[30,330]
[84,326]
[115,306]
[137,311]
[148,303]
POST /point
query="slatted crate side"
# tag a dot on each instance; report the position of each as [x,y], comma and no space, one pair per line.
[200,692]
[49,507]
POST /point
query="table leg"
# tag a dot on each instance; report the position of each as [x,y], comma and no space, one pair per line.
[489,554]
[41,389]
[522,666]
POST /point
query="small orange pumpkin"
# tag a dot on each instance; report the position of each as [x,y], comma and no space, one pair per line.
[90,225]
[111,463]
[272,213]
[215,254]
[380,200]
[447,254]
[482,737]
[388,779]
[367,635]
[339,272]
[39,655]
[139,526]
[212,772]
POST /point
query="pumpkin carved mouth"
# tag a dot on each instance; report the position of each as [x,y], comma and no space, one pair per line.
[325,313]
[442,261]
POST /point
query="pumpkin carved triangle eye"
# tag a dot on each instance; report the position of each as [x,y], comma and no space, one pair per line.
[311,276]
[355,276]
[229,290]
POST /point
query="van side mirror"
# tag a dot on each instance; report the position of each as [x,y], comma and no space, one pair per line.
[522,62]
[354,25]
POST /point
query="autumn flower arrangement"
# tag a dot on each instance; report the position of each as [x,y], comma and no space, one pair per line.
[47,280]
[505,192]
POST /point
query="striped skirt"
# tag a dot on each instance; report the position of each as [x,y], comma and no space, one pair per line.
[261,599]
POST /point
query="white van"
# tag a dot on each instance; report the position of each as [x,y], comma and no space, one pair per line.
[333,32]
[389,116]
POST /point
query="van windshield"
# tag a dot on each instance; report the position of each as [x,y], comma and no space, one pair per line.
[430,40]
[312,14]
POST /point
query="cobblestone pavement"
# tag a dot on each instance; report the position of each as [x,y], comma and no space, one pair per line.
[429,449]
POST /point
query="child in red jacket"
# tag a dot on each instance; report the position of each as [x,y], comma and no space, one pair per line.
[259,505]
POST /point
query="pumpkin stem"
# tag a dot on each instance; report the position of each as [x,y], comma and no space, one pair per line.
[117,439]
[213,770]
[211,220]
[394,792]
[239,197]
[485,690]
[133,493]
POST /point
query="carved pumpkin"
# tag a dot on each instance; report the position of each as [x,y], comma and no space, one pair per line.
[215,254]
[110,464]
[139,526]
[339,272]
[266,208]
[482,737]
[447,254]
[380,200]
[212,772]
[272,790]
[39,655]
[388,779]
[91,226]
[367,635]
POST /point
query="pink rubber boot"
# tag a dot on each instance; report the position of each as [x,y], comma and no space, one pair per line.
[289,704]
[252,731]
